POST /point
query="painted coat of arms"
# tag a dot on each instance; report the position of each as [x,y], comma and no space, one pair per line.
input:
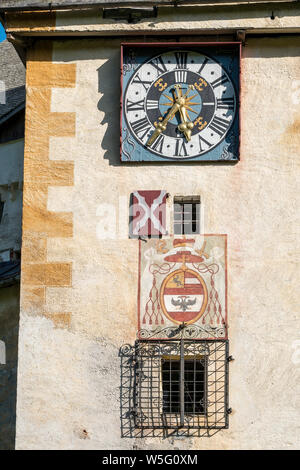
[182,288]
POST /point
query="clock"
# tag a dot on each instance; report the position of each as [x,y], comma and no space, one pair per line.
[180,102]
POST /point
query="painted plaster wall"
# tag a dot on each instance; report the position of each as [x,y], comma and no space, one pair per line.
[69,371]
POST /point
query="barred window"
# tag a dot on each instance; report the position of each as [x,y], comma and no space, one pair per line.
[186,215]
[193,383]
[181,384]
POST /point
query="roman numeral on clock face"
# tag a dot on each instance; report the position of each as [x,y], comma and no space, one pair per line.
[180,149]
[159,64]
[181,59]
[152,104]
[146,83]
[203,141]
[219,81]
[225,103]
[141,126]
[219,125]
[158,144]
[135,106]
[180,76]
[203,65]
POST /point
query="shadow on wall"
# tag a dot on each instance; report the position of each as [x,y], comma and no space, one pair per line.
[9,328]
[138,420]
[109,104]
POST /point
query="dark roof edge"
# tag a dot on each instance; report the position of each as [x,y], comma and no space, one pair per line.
[35,5]
[12,113]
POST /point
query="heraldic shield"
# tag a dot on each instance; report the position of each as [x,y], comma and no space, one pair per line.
[183,281]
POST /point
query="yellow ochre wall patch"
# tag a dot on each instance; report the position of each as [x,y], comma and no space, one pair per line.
[39,173]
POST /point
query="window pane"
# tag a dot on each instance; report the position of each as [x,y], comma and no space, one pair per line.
[186,215]
[194,386]
[178,229]
[171,386]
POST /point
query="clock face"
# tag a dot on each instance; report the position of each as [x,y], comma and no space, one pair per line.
[179,104]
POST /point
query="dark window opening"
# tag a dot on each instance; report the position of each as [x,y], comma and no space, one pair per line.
[194,386]
[1,209]
[186,215]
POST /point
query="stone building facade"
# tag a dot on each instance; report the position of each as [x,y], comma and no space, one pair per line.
[80,273]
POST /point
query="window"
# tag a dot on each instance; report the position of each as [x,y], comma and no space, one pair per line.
[193,385]
[186,215]
[180,384]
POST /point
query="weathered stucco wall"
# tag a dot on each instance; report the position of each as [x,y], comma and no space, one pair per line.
[79,290]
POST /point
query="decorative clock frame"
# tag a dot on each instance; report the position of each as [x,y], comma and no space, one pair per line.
[180,102]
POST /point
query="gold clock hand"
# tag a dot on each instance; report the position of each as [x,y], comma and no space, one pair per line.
[190,87]
[161,126]
[177,106]
[178,88]
[185,126]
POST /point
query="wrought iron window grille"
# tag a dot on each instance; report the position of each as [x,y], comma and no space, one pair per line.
[177,386]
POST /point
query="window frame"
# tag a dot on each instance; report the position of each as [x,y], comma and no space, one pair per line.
[199,358]
[195,220]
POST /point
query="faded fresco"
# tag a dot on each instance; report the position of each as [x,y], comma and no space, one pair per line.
[147,214]
[183,288]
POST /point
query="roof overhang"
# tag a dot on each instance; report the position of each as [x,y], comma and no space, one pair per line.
[45,5]
[25,20]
